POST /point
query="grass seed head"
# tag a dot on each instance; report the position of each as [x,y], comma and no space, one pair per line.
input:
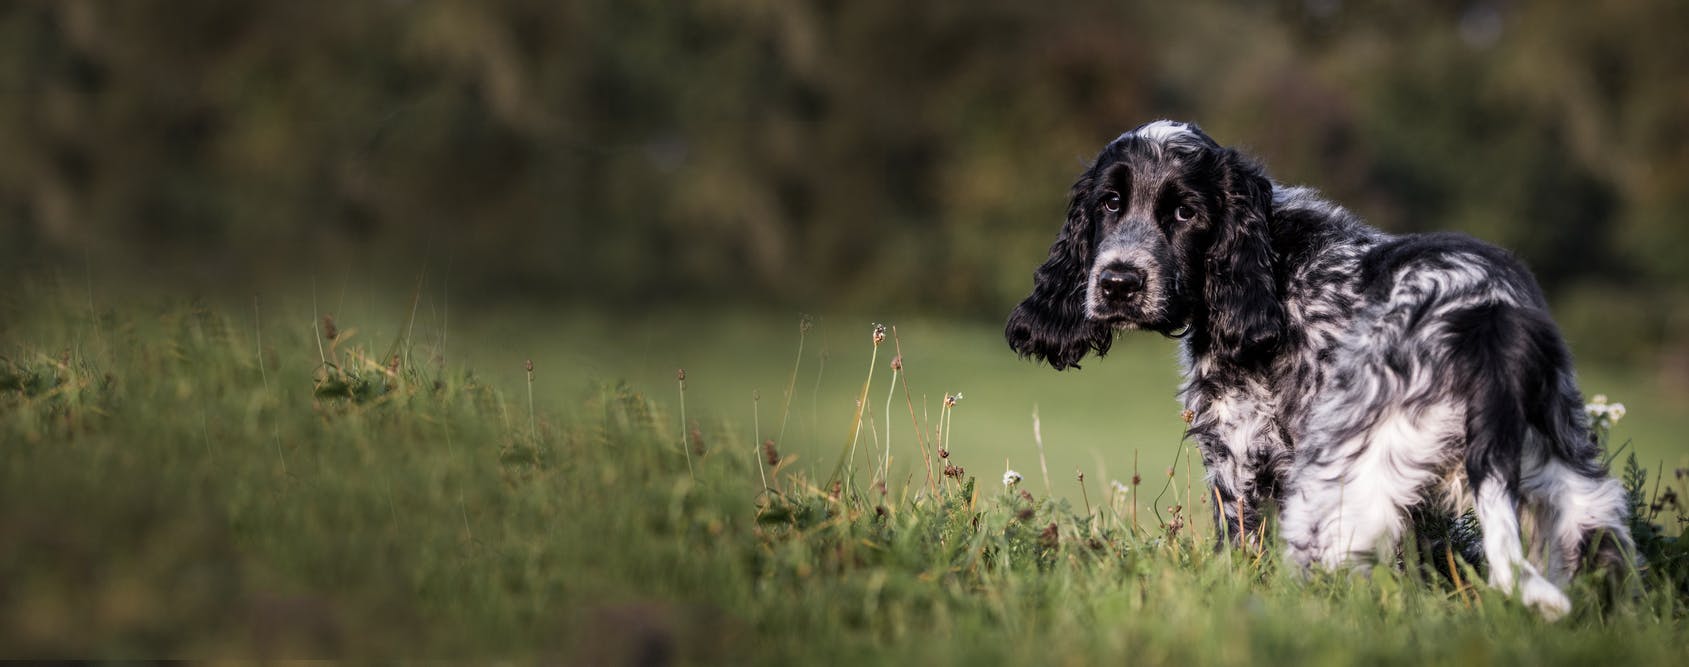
[897,363]
[1188,416]
[879,333]
[954,472]
[528,365]
[769,453]
[805,323]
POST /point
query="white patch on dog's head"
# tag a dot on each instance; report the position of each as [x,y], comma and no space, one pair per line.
[1161,131]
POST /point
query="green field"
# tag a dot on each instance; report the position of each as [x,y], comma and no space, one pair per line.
[191,479]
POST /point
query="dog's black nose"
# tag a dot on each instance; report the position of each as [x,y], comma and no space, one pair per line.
[1119,282]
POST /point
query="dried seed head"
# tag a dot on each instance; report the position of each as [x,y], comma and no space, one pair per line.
[680,376]
[1169,471]
[953,471]
[1026,496]
[1051,537]
[329,330]
[1136,480]
[1080,474]
[1188,416]
[805,323]
[756,394]
[879,333]
[769,453]
[528,366]
[897,363]
[943,453]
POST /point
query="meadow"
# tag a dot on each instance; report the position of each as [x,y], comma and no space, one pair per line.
[416,476]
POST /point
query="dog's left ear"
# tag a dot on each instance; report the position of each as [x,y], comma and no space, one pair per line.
[1246,314]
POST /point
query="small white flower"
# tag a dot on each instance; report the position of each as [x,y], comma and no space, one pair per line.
[1119,487]
[1599,399]
[1615,412]
[1010,478]
[1596,410]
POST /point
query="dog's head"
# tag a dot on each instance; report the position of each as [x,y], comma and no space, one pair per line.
[1166,230]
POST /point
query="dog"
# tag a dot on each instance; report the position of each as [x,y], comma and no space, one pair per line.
[1338,373]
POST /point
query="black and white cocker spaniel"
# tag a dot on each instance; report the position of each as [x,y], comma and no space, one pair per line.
[1336,372]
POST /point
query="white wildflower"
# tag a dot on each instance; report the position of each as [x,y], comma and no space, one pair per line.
[1615,412]
[1119,487]
[1010,478]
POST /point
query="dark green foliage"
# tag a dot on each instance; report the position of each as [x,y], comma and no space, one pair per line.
[809,152]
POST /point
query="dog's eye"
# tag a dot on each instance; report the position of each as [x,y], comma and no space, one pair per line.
[1184,213]
[1111,202]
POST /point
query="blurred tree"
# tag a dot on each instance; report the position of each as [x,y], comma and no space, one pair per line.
[818,152]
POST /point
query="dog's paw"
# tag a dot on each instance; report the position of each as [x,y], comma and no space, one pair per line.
[1547,599]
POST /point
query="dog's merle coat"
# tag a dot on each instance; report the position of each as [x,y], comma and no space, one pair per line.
[1339,373]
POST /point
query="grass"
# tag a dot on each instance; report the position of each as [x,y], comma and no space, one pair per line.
[192,479]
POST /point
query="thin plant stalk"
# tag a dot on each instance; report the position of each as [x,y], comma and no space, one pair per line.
[848,460]
[804,324]
[685,447]
[533,425]
[920,433]
[897,364]
[1135,480]
[1038,438]
[756,425]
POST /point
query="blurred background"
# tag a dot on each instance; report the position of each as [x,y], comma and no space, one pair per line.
[868,155]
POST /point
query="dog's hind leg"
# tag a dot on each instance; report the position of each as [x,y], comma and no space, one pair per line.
[1498,512]
[1514,356]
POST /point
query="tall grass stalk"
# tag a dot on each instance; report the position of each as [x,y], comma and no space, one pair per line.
[847,460]
[533,423]
[804,325]
[1038,439]
[685,447]
[756,427]
[920,432]
[896,366]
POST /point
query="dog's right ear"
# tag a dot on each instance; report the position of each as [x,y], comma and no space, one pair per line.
[1051,324]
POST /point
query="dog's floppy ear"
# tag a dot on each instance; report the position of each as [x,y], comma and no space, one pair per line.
[1051,324]
[1245,312]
